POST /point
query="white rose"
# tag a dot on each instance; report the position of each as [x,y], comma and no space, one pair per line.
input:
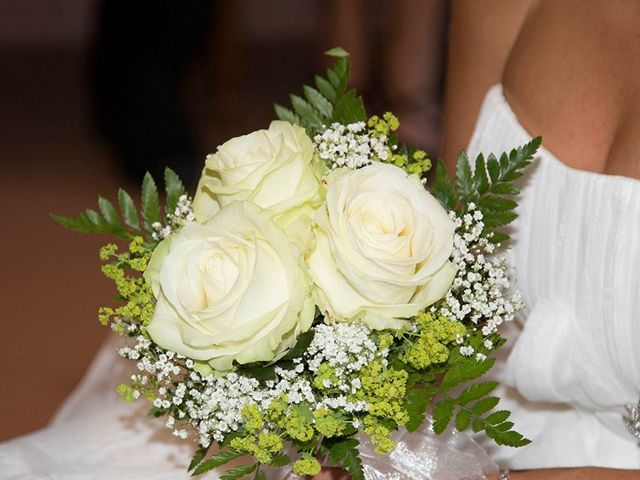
[231,289]
[276,169]
[382,247]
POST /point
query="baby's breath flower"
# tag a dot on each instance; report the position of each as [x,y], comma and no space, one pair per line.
[350,146]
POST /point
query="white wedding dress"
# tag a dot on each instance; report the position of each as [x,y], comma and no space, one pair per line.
[576,252]
[569,376]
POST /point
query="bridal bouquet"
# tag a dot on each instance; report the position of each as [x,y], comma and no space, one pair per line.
[314,292]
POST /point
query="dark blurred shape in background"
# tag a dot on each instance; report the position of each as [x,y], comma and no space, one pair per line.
[92,94]
[140,61]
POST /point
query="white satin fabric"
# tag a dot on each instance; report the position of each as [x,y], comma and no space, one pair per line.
[576,252]
[96,436]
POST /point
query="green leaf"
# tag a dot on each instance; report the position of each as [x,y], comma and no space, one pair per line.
[480,175]
[504,426]
[498,417]
[109,212]
[442,413]
[221,458]
[464,179]
[318,101]
[325,88]
[174,188]
[260,475]
[505,189]
[442,188]
[493,218]
[90,221]
[498,237]
[475,392]
[345,454]
[155,412]
[301,346]
[259,372]
[285,114]
[417,402]
[280,460]
[128,209]
[238,472]
[494,168]
[197,458]
[493,202]
[329,102]
[150,202]
[306,112]
[477,425]
[463,420]
[485,405]
[338,52]
[349,109]
[509,439]
[465,370]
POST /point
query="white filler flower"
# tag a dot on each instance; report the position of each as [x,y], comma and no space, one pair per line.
[233,288]
[382,247]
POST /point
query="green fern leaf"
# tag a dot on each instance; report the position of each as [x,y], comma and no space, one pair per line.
[329,102]
[280,460]
[260,475]
[197,458]
[493,167]
[464,179]
[498,417]
[504,426]
[338,52]
[480,172]
[109,213]
[174,188]
[417,401]
[286,115]
[319,102]
[493,202]
[510,438]
[442,188]
[484,405]
[349,109]
[216,461]
[128,209]
[476,392]
[442,414]
[150,202]
[306,113]
[463,420]
[238,472]
[345,454]
[464,370]
[325,88]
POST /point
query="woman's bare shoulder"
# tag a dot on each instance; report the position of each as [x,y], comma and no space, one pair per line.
[571,76]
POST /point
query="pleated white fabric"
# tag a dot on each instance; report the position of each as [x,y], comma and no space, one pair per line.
[576,251]
[96,436]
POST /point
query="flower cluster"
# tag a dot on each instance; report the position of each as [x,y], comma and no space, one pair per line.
[351,146]
[335,374]
[182,213]
[291,308]
[481,291]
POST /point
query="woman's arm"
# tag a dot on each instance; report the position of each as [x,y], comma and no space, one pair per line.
[587,473]
[481,35]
